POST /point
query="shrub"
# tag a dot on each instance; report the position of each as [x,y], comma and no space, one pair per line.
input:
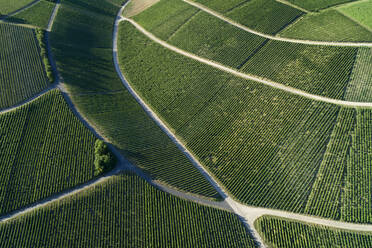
[103,158]
[40,35]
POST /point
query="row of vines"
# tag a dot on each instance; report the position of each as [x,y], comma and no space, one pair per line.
[44,149]
[125,211]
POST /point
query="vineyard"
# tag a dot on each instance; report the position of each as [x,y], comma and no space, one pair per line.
[250,136]
[328,25]
[317,5]
[44,149]
[266,16]
[37,15]
[125,211]
[278,232]
[105,101]
[22,70]
[7,6]
[359,89]
[360,12]
[320,70]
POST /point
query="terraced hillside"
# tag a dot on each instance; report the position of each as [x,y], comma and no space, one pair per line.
[126,212]
[22,70]
[44,150]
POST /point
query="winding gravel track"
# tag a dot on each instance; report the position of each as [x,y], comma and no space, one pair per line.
[247,76]
[308,42]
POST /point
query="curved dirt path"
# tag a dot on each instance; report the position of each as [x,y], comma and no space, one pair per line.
[247,76]
[308,42]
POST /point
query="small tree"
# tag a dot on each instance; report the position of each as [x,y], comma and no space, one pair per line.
[103,158]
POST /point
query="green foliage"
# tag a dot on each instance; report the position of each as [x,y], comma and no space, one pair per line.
[104,160]
[328,25]
[22,69]
[125,211]
[264,145]
[317,5]
[40,35]
[44,149]
[283,233]
[89,71]
[38,15]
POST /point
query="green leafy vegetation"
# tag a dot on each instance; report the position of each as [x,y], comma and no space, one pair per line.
[317,5]
[8,6]
[37,15]
[22,70]
[320,70]
[359,11]
[104,160]
[125,211]
[88,70]
[44,149]
[40,35]
[267,16]
[328,25]
[264,145]
[280,232]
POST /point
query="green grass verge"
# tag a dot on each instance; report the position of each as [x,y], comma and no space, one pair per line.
[317,5]
[327,25]
[360,12]
[7,6]
[263,144]
[88,70]
[21,65]
[44,150]
[282,233]
[125,211]
[38,15]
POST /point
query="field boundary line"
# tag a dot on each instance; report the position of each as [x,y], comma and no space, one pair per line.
[53,16]
[248,76]
[271,37]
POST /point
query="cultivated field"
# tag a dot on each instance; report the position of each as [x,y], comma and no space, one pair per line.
[100,95]
[22,70]
[7,6]
[44,150]
[37,15]
[278,232]
[125,211]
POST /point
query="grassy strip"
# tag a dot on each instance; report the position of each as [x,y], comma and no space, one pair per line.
[40,35]
[125,211]
[282,233]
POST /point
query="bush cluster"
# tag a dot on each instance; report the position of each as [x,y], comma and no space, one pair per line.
[40,35]
[103,158]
